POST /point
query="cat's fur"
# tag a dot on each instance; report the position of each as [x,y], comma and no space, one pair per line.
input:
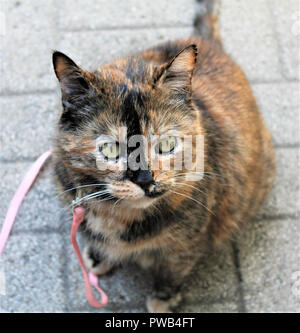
[166,87]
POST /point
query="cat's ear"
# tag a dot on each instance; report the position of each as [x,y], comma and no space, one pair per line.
[177,74]
[74,81]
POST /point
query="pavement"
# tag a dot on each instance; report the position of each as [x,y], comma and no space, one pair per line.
[259,270]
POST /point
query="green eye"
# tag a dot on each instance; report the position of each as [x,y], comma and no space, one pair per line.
[167,145]
[110,150]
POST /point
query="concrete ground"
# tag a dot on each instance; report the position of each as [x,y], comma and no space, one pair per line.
[258,272]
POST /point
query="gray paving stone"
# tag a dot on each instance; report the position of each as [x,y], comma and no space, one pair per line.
[35,14]
[279,104]
[80,14]
[224,307]
[27,45]
[269,256]
[284,197]
[33,273]
[91,49]
[37,74]
[246,31]
[27,124]
[213,280]
[2,33]
[1,64]
[41,208]
[286,16]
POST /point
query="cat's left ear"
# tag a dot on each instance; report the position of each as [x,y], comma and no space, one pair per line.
[74,81]
[177,74]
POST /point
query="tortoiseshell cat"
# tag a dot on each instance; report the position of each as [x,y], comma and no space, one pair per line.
[161,219]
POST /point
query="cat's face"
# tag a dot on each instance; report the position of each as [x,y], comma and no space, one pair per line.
[123,128]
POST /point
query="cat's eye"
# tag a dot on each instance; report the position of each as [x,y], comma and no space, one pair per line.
[110,150]
[167,145]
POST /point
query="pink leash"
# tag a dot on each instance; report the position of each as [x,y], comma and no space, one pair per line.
[78,217]
[89,279]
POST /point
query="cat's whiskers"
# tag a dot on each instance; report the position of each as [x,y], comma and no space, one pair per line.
[89,197]
[114,205]
[194,187]
[208,175]
[99,201]
[188,197]
[81,186]
[92,195]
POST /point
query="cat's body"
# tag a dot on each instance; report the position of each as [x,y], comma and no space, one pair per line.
[167,229]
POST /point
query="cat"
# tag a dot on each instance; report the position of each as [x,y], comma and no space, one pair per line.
[161,219]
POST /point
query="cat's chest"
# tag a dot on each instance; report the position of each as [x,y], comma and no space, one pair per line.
[120,238]
[108,227]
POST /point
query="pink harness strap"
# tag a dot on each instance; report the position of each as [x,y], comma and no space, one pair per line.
[89,279]
[78,217]
[19,196]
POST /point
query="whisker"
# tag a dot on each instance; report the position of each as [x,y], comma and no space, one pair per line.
[190,186]
[88,197]
[99,193]
[97,196]
[184,176]
[114,205]
[193,200]
[82,186]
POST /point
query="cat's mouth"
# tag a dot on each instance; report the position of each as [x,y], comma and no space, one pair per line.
[155,193]
[131,194]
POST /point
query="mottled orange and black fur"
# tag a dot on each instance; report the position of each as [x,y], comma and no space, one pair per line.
[164,222]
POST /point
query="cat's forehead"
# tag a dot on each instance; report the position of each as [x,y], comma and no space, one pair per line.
[133,103]
[140,113]
[131,108]
[130,70]
[135,119]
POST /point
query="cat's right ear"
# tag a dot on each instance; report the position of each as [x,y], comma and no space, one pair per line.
[73,80]
[177,74]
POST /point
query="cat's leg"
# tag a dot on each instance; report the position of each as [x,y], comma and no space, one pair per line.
[168,278]
[95,263]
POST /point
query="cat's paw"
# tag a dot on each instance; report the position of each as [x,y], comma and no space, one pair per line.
[157,305]
[94,265]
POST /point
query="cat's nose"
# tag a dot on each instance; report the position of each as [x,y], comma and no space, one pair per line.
[144,178]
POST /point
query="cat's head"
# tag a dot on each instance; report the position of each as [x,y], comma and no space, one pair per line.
[122,128]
